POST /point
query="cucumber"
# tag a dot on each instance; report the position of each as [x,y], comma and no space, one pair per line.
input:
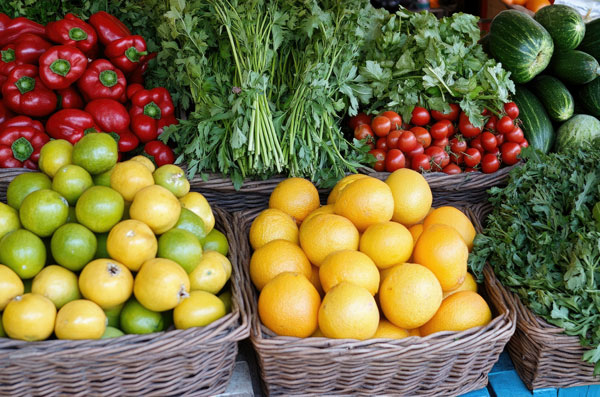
[591,40]
[589,97]
[522,45]
[575,67]
[564,24]
[537,126]
[555,97]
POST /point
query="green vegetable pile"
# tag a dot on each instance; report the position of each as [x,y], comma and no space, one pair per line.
[544,243]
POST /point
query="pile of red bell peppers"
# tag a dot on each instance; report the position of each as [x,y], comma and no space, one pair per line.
[74,77]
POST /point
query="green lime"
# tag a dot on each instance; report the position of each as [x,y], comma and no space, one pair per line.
[54,155]
[23,184]
[9,219]
[167,318]
[72,217]
[97,152]
[216,241]
[113,314]
[126,211]
[172,178]
[101,250]
[226,298]
[136,319]
[73,246]
[191,222]
[112,332]
[99,208]
[2,333]
[43,211]
[182,247]
[596,212]
[103,179]
[71,181]
[23,252]
[27,284]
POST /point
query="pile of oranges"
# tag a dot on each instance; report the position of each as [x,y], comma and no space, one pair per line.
[375,262]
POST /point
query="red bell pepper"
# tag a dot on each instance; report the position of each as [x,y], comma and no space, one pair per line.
[24,93]
[30,47]
[126,53]
[159,153]
[20,146]
[23,121]
[137,76]
[109,28]
[8,59]
[126,141]
[151,111]
[133,88]
[11,30]
[74,32]
[69,98]
[70,125]
[102,80]
[5,114]
[109,115]
[61,66]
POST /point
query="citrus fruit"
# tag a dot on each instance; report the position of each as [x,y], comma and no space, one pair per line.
[161,284]
[317,334]
[325,234]
[415,231]
[131,243]
[144,160]
[365,202]
[192,223]
[23,184]
[54,155]
[101,250]
[29,317]
[315,280]
[2,333]
[226,299]
[10,286]
[272,224]
[387,330]
[27,284]
[129,177]
[43,211]
[23,252]
[136,319]
[455,218]
[443,251]
[296,197]
[341,185]
[412,196]
[57,284]
[351,266]
[348,311]
[459,312]
[326,209]
[210,275]
[216,241]
[99,208]
[112,315]
[80,319]
[73,246]
[198,204]
[181,247]
[215,256]
[387,243]
[71,181]
[172,178]
[156,207]
[9,219]
[414,332]
[106,282]
[112,332]
[103,179]
[96,152]
[289,304]
[199,309]
[71,216]
[410,295]
[468,285]
[276,257]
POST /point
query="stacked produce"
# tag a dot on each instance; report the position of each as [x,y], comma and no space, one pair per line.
[329,270]
[92,248]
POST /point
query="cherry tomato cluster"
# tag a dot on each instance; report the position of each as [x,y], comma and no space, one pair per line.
[446,142]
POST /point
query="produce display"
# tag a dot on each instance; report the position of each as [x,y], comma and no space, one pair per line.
[92,248]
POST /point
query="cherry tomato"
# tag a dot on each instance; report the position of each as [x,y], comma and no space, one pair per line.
[450,127]
[491,123]
[422,135]
[500,139]
[510,151]
[485,112]
[359,119]
[512,110]
[381,125]
[420,116]
[469,169]
[439,157]
[476,143]
[407,141]
[419,149]
[452,169]
[394,118]
[421,162]
[363,131]
[516,135]
[440,143]
[439,130]
[458,145]
[394,160]
[466,128]
[379,164]
[505,125]
[495,151]
[382,143]
[490,163]
[452,115]
[393,138]
[457,158]
[524,143]
[472,157]
[488,141]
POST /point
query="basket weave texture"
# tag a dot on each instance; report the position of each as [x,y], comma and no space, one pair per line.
[446,363]
[192,362]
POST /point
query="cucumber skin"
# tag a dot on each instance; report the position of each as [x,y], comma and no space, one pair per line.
[555,97]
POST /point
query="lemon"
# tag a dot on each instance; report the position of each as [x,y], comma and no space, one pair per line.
[161,284]
[106,282]
[29,317]
[198,204]
[198,310]
[9,219]
[80,319]
[211,273]
[57,284]
[10,286]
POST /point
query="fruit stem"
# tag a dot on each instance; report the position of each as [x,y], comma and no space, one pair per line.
[113,269]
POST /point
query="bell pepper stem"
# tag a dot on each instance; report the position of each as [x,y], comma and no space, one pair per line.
[8,55]
[152,110]
[77,34]
[115,136]
[21,149]
[25,84]
[61,67]
[89,130]
[108,78]
[134,55]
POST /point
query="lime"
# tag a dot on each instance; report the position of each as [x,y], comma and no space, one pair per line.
[167,318]
[43,211]
[9,219]
[24,184]
[226,299]
[57,284]
[198,204]
[73,246]
[72,217]
[191,222]
[103,179]
[71,181]
[111,332]
[181,247]
[27,284]
[113,314]
[96,152]
[99,208]
[23,252]
[101,250]
[54,155]
[172,178]
[136,319]
[216,241]
[2,333]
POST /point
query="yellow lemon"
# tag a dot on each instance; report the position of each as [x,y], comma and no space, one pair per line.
[129,177]
[54,155]
[145,161]
[210,274]
[198,310]
[412,196]
[80,319]
[326,209]
[10,286]
[468,285]
[132,243]
[57,284]
[455,218]
[156,207]
[29,317]
[198,204]
[106,282]
[161,284]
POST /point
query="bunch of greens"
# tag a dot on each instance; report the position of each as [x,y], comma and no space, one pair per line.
[544,242]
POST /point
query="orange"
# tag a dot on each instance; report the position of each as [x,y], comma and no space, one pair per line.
[341,185]
[156,207]
[325,234]
[315,280]
[443,251]
[536,5]
[296,197]
[161,284]
[351,266]
[129,177]
[415,231]
[326,209]
[80,319]
[365,202]
[198,204]
[459,312]
[387,243]
[452,217]
[289,305]
[10,286]
[272,224]
[29,317]
[106,282]
[276,257]
[199,310]
[468,285]
[348,311]
[410,295]
[132,243]
[412,196]
[387,330]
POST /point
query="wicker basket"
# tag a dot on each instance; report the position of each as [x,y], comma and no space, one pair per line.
[197,361]
[6,176]
[446,363]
